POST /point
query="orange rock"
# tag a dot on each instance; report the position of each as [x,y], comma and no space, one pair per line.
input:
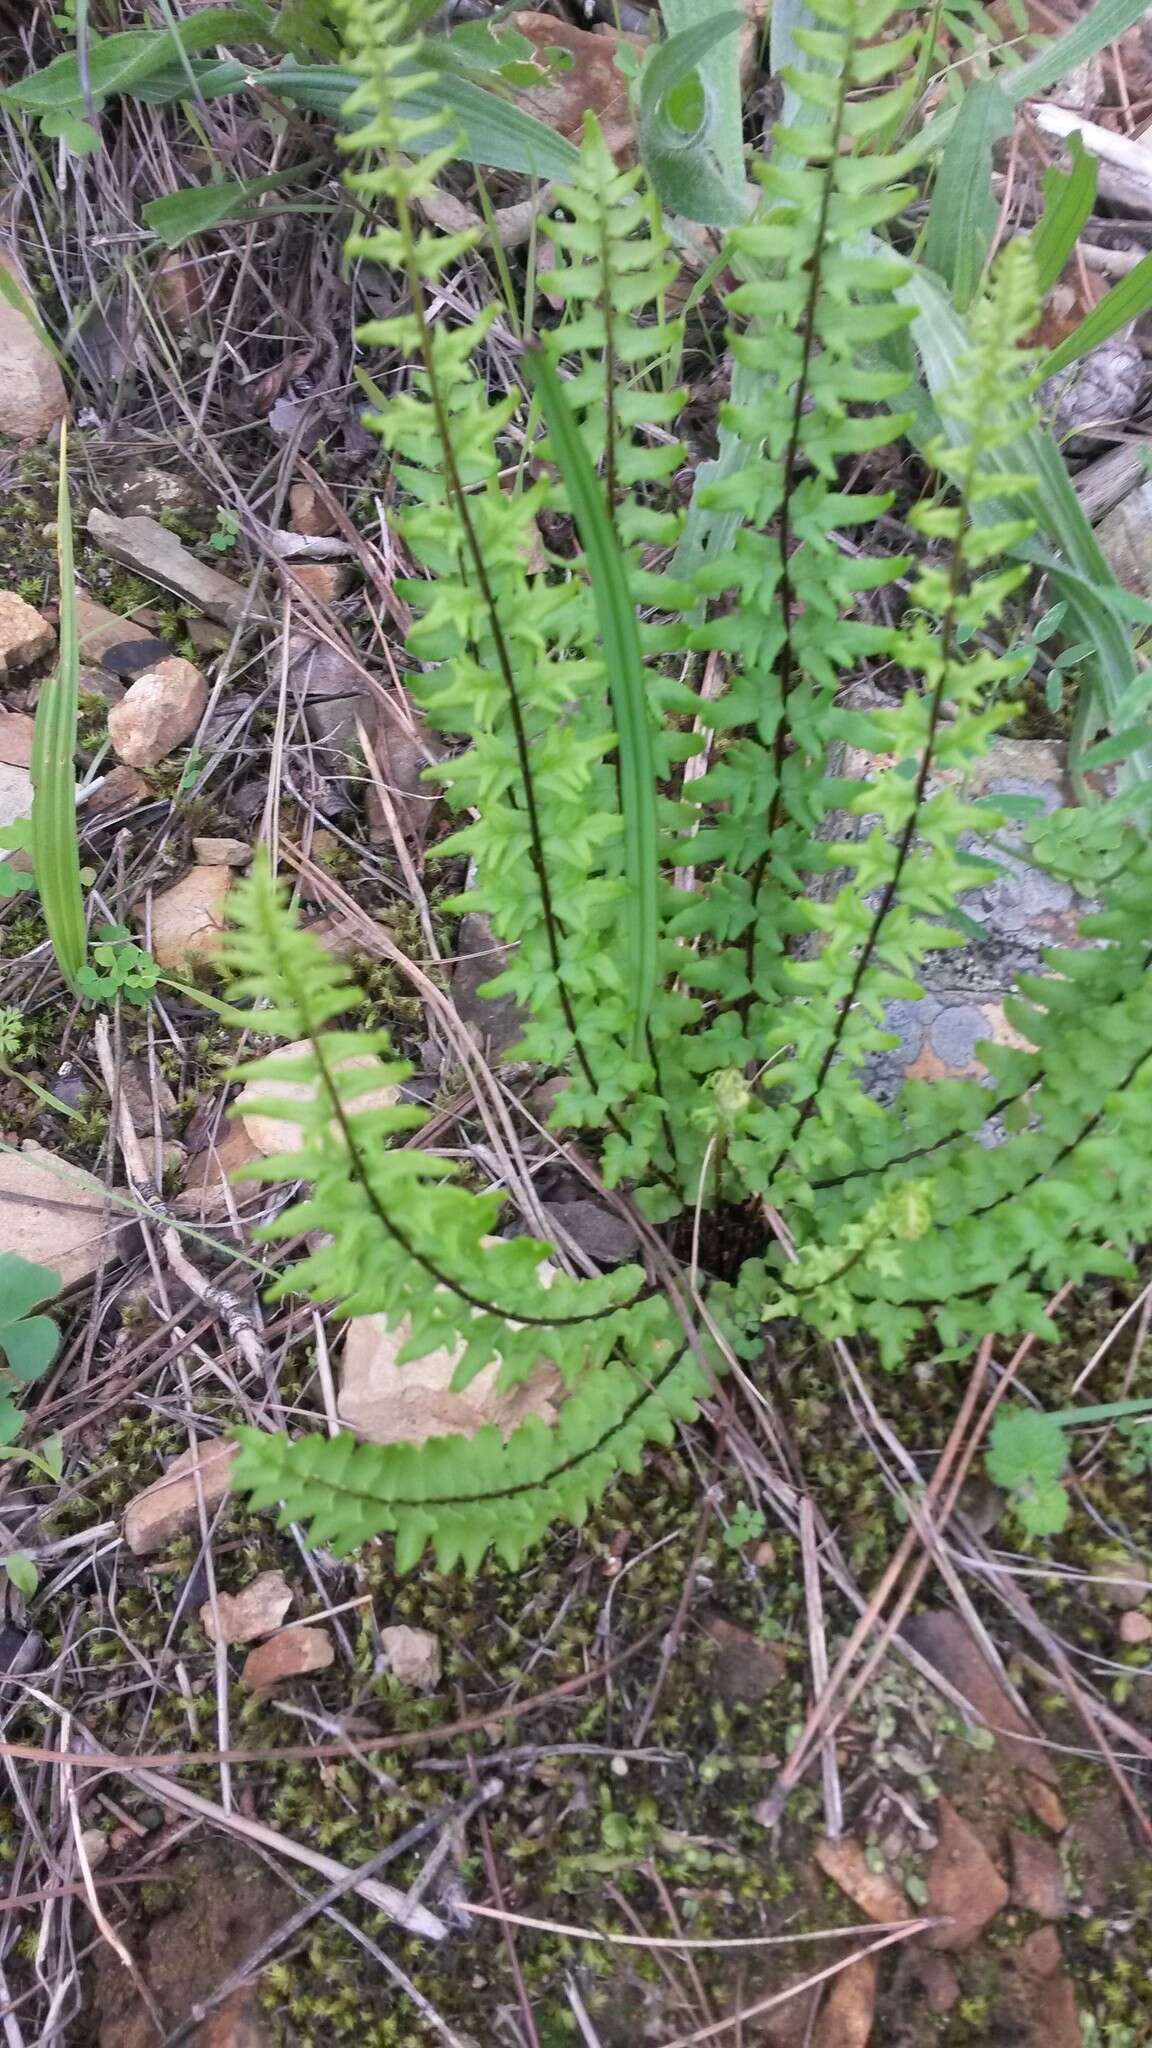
[170,1506]
[291,1653]
[877,1895]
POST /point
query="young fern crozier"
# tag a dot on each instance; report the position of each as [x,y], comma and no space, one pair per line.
[708,959]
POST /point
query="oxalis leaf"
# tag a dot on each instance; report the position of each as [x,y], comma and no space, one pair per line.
[626,686]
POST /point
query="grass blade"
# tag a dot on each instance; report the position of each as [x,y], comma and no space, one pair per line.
[626,686]
[1126,301]
[55,848]
[1069,197]
[963,215]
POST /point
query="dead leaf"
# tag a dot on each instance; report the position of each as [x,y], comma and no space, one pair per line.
[591,83]
[874,1892]
[256,1610]
[846,2016]
[965,1889]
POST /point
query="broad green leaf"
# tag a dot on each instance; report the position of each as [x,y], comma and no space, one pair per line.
[55,847]
[117,63]
[30,1346]
[963,214]
[785,56]
[1126,301]
[1069,197]
[22,1572]
[626,687]
[1026,1446]
[23,1286]
[683,117]
[178,216]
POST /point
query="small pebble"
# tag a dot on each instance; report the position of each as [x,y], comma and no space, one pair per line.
[1135,1628]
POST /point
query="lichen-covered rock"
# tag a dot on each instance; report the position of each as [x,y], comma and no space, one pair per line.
[158,713]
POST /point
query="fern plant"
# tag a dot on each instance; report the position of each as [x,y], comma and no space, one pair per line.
[707,959]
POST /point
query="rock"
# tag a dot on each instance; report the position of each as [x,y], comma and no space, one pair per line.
[146,1100]
[128,659]
[325,581]
[1040,1955]
[1121,1580]
[939,1982]
[32,395]
[1037,1876]
[101,683]
[207,637]
[57,1215]
[846,2015]
[238,2023]
[1101,391]
[96,1847]
[169,1507]
[204,1197]
[598,1230]
[24,636]
[1125,537]
[308,513]
[335,695]
[496,1022]
[272,1134]
[121,789]
[15,798]
[161,710]
[145,546]
[292,1653]
[222,853]
[404,747]
[747,1669]
[406,1404]
[16,729]
[256,1610]
[1054,2018]
[188,919]
[99,630]
[1135,1628]
[965,1889]
[160,493]
[412,1656]
[874,1892]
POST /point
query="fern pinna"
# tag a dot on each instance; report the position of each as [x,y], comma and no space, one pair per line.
[707,958]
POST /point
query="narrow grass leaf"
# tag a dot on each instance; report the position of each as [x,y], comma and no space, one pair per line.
[626,685]
[963,214]
[1126,301]
[55,848]
[1069,197]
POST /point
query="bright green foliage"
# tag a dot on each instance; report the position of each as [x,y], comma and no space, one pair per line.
[119,967]
[1028,1456]
[28,1342]
[796,897]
